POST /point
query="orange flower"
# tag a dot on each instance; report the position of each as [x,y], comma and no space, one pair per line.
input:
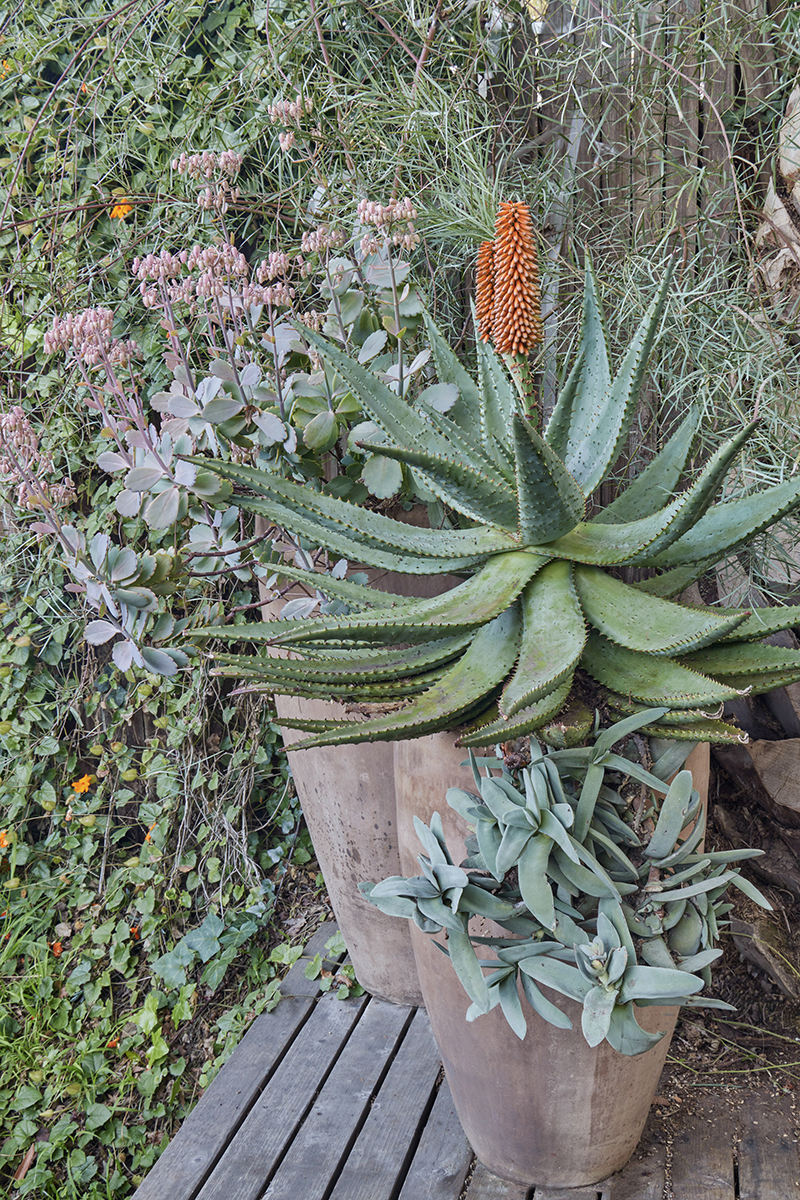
[121,210]
[57,949]
[112,1045]
[6,68]
[484,289]
[517,316]
[83,784]
[135,932]
[3,842]
[147,836]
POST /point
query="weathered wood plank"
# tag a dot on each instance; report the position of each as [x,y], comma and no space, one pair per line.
[314,1158]
[582,1193]
[486,1186]
[643,1178]
[702,1167]
[191,1155]
[393,1127]
[443,1157]
[768,1156]
[274,1118]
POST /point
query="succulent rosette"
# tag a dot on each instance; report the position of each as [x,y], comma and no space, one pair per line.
[541,598]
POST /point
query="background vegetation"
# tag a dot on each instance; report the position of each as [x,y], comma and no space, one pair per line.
[151,843]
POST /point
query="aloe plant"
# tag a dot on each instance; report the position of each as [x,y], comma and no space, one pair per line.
[499,652]
[597,892]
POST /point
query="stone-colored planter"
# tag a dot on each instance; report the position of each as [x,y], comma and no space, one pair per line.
[548,1110]
[348,800]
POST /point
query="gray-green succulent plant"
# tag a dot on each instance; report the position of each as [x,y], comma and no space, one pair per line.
[498,652]
[603,898]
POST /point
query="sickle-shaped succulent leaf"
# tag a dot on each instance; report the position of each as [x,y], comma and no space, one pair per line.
[468,492]
[626,1035]
[557,975]
[533,717]
[550,501]
[763,621]
[450,370]
[358,594]
[683,725]
[487,661]
[553,636]
[649,678]
[672,583]
[393,664]
[558,427]
[656,485]
[747,663]
[498,403]
[727,525]
[697,498]
[478,600]
[581,398]
[293,502]
[599,429]
[596,1016]
[673,816]
[647,623]
[541,1005]
[401,422]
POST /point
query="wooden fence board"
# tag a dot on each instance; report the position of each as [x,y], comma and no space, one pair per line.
[315,1156]
[387,1140]
[440,1165]
[768,1155]
[185,1164]
[279,1111]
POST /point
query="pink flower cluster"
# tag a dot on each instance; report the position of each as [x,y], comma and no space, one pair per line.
[207,164]
[289,112]
[22,461]
[88,334]
[315,241]
[389,220]
[222,271]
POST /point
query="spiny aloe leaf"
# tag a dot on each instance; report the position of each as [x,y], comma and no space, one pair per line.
[646,623]
[468,492]
[489,728]
[557,430]
[482,598]
[450,370]
[764,621]
[359,594]
[727,525]
[599,429]
[498,403]
[651,679]
[672,583]
[581,398]
[550,501]
[553,637]
[354,664]
[697,498]
[654,487]
[404,425]
[746,664]
[361,524]
[487,661]
[386,692]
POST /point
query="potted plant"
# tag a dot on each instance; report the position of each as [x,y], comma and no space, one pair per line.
[584,913]
[541,615]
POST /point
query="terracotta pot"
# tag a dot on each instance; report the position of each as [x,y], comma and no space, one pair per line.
[548,1110]
[348,801]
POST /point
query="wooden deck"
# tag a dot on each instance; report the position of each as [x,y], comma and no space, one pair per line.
[332,1100]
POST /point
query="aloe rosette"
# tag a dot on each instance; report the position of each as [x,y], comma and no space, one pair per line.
[539,600]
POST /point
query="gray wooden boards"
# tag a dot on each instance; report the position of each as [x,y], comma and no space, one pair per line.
[187,1161]
[768,1155]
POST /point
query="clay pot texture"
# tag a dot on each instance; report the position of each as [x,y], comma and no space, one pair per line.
[347,796]
[548,1110]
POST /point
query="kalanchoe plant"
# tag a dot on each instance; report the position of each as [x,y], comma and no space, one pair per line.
[500,651]
[597,888]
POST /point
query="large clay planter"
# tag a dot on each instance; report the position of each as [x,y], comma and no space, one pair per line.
[348,801]
[548,1110]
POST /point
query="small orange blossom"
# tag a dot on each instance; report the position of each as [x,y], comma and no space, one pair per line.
[83,784]
[121,210]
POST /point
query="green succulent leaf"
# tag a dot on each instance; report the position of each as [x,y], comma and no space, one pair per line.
[553,637]
[650,678]
[596,1016]
[626,1035]
[550,501]
[656,485]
